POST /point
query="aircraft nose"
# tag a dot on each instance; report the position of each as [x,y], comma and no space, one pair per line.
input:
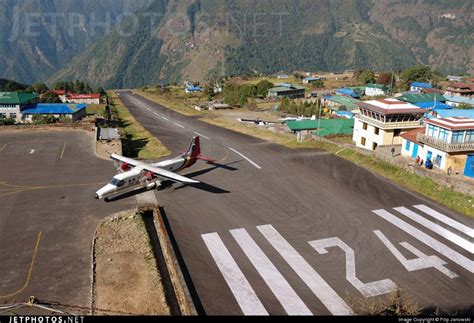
[96,196]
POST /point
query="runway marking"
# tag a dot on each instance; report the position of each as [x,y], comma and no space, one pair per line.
[246,158]
[165,118]
[22,188]
[32,151]
[282,290]
[441,217]
[239,285]
[333,302]
[426,239]
[64,148]
[3,147]
[422,262]
[177,124]
[28,277]
[454,238]
[156,114]
[201,135]
[371,289]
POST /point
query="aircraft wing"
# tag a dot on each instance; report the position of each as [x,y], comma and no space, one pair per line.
[129,161]
[167,174]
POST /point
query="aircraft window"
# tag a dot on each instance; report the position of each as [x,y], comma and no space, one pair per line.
[118,183]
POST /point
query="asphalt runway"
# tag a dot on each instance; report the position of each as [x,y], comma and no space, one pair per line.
[48,214]
[280,231]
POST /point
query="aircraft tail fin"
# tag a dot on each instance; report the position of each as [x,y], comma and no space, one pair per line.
[194,152]
[195,148]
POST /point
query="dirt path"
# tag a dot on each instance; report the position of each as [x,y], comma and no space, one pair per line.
[127,280]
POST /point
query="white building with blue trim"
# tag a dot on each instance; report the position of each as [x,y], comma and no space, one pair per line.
[447,142]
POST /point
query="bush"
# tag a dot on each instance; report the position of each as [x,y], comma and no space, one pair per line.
[6,122]
[397,303]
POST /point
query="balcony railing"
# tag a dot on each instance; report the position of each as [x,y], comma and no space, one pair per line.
[390,125]
[444,146]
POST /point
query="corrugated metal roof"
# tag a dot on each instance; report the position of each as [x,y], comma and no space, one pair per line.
[16,97]
[421,84]
[299,125]
[109,133]
[346,101]
[349,92]
[422,97]
[334,127]
[432,105]
[53,108]
[459,99]
[328,127]
[445,113]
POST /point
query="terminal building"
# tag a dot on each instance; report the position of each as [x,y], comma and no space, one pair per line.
[23,106]
[381,122]
[13,103]
[287,91]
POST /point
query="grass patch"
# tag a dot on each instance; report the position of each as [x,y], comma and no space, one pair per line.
[425,186]
[94,109]
[175,100]
[137,142]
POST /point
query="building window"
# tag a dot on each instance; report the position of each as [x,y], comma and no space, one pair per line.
[376,130]
[397,132]
[458,137]
[13,115]
[437,161]
[430,130]
[443,135]
[408,146]
[364,126]
[363,141]
[374,146]
[469,136]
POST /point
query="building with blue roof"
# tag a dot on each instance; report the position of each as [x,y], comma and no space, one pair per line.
[457,100]
[433,105]
[450,113]
[348,92]
[74,112]
[192,89]
[311,79]
[418,86]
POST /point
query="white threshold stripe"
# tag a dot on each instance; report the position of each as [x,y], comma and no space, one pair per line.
[201,135]
[156,114]
[282,290]
[177,124]
[165,118]
[239,285]
[246,158]
[449,253]
[333,302]
[441,217]
[454,238]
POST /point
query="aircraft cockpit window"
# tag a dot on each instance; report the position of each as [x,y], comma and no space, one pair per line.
[118,183]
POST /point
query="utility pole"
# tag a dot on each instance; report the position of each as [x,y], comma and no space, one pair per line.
[318,105]
[391,85]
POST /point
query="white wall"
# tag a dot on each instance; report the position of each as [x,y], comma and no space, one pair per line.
[369,91]
[435,152]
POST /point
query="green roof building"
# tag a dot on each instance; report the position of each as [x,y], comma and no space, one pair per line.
[422,97]
[287,91]
[340,103]
[17,98]
[12,103]
[328,127]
